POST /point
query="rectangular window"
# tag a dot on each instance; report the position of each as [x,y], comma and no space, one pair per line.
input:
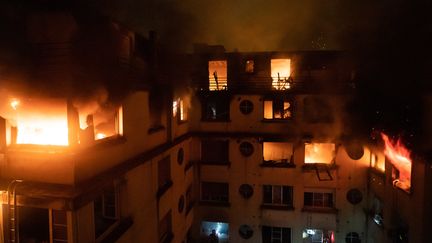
[249,66]
[277,152]
[319,153]
[278,195]
[271,234]
[215,151]
[164,172]
[278,109]
[218,78]
[106,210]
[216,109]
[59,226]
[214,192]
[318,236]
[318,199]
[165,229]
[280,73]
[179,108]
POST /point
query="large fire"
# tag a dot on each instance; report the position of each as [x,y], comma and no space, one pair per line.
[319,153]
[399,157]
[41,122]
[280,73]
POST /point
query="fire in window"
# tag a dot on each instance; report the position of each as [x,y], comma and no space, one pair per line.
[249,66]
[318,236]
[278,109]
[281,74]
[278,195]
[400,158]
[179,108]
[323,153]
[376,163]
[277,152]
[272,234]
[218,78]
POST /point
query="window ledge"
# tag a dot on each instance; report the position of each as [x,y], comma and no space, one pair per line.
[163,189]
[215,203]
[277,207]
[277,120]
[222,163]
[155,129]
[319,210]
[277,164]
[315,166]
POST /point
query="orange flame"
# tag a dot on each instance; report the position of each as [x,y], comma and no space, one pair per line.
[400,158]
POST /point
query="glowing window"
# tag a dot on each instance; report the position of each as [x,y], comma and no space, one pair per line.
[218,78]
[179,107]
[249,66]
[277,152]
[319,153]
[280,73]
[277,109]
[218,230]
[318,236]
[376,163]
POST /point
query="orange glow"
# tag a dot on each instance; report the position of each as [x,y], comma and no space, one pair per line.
[218,75]
[14,104]
[319,153]
[280,73]
[42,122]
[399,157]
[100,136]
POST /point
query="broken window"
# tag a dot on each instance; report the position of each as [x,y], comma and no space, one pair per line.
[215,109]
[277,152]
[278,195]
[318,199]
[271,234]
[214,192]
[249,68]
[215,151]
[218,78]
[280,73]
[319,153]
[277,109]
[318,236]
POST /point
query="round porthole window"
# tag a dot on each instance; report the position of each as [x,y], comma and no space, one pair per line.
[246,149]
[246,106]
[181,203]
[245,231]
[354,196]
[180,156]
[246,191]
[352,237]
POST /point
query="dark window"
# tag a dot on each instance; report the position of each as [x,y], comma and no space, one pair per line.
[246,149]
[180,156]
[278,195]
[156,106]
[352,237]
[278,109]
[246,107]
[214,191]
[214,151]
[216,109]
[165,228]
[276,235]
[164,172]
[318,199]
[317,110]
[105,210]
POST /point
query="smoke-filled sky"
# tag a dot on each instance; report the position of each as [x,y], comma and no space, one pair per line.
[255,25]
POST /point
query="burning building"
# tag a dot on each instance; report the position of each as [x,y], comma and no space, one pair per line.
[253,146]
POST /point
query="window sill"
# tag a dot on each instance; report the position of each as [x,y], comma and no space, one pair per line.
[277,207]
[277,164]
[319,210]
[315,166]
[155,129]
[163,189]
[276,120]
[215,203]
[222,163]
[189,165]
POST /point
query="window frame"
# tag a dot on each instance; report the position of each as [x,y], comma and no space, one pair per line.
[283,189]
[278,104]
